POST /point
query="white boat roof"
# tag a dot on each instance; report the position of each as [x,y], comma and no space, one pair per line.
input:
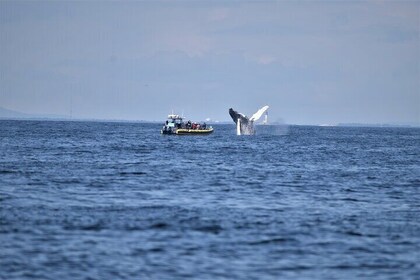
[173,116]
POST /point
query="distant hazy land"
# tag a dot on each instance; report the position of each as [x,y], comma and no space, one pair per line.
[379,124]
[11,114]
[7,114]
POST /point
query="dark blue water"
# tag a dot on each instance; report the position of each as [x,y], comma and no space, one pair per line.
[92,200]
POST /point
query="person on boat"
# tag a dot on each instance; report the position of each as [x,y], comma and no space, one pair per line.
[204,125]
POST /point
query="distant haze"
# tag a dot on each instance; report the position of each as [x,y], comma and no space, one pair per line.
[320,62]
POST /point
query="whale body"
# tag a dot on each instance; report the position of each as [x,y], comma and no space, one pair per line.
[245,125]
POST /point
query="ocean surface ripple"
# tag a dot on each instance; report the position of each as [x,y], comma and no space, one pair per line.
[108,200]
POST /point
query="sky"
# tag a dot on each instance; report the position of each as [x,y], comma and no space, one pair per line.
[312,62]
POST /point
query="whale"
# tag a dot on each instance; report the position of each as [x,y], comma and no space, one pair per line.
[245,125]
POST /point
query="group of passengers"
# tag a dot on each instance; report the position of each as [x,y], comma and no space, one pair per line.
[194,125]
[187,125]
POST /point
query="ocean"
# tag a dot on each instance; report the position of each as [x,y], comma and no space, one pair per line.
[117,200]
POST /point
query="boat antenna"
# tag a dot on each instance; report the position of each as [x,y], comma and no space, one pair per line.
[71,106]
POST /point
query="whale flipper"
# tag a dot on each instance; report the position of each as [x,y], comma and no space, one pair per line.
[258,114]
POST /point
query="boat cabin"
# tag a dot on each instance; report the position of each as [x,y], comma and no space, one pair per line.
[174,121]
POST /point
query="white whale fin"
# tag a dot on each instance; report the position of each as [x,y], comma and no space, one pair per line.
[258,114]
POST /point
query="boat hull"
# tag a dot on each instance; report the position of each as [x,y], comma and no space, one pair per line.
[185,131]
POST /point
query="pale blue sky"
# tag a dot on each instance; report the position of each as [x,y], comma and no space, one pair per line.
[318,62]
